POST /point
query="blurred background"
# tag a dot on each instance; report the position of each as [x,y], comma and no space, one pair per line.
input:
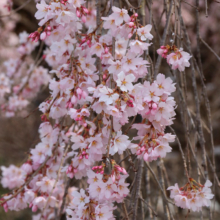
[19,134]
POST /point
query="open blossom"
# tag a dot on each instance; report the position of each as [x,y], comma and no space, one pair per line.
[120,144]
[125,82]
[192,196]
[120,15]
[177,58]
[138,47]
[144,32]
[97,49]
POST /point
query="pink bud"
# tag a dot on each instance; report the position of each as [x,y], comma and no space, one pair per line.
[84,19]
[124,171]
[48,33]
[113,178]
[143,148]
[154,106]
[146,156]
[34,208]
[43,36]
[104,76]
[88,42]
[106,49]
[86,10]
[136,15]
[77,13]
[70,168]
[74,100]
[162,47]
[71,175]
[80,157]
[5,206]
[79,91]
[32,35]
[48,28]
[102,172]
[83,40]
[130,35]
[87,156]
[139,152]
[131,24]
[75,170]
[84,94]
[119,169]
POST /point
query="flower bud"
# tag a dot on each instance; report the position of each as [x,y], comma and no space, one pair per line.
[84,19]
[130,35]
[5,206]
[124,171]
[34,208]
[86,10]
[77,13]
[131,24]
[154,106]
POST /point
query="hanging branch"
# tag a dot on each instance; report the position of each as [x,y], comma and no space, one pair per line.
[165,33]
[138,187]
[16,10]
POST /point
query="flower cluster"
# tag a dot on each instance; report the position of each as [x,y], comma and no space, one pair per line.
[84,207]
[158,112]
[177,58]
[95,89]
[192,196]
[22,79]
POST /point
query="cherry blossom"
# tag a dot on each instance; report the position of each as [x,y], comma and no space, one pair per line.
[97,82]
[192,196]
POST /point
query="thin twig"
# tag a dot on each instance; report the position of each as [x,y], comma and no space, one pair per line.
[64,196]
[210,49]
[159,58]
[138,187]
[125,211]
[181,151]
[148,206]
[197,101]
[16,10]
[161,189]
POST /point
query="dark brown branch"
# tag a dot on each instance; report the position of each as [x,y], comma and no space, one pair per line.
[165,33]
[216,55]
[138,187]
[16,10]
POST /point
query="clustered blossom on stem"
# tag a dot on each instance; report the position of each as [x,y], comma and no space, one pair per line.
[81,129]
[22,79]
[158,112]
[192,196]
[177,58]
